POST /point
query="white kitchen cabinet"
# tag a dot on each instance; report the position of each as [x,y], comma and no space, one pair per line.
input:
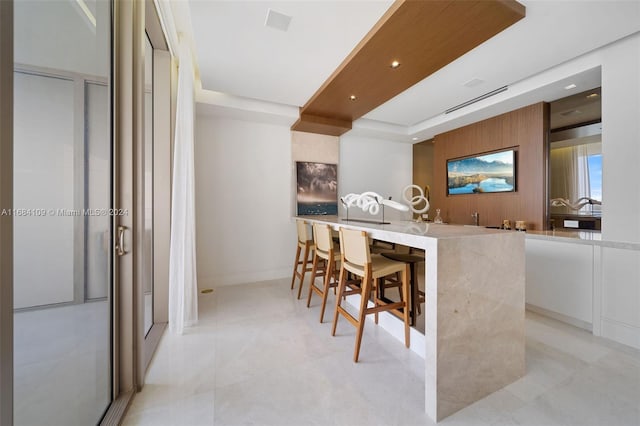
[559,279]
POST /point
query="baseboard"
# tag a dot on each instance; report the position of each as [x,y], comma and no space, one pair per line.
[151,342]
[621,332]
[243,278]
[560,317]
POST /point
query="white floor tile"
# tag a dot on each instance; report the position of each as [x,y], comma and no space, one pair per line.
[259,357]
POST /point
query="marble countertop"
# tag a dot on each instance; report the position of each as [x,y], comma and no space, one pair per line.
[581,237]
[432,230]
[444,231]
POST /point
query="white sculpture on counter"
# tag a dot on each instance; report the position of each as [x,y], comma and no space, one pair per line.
[576,205]
[370,202]
[416,200]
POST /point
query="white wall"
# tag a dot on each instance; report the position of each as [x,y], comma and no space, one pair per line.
[244,225]
[621,139]
[368,164]
[620,307]
[244,228]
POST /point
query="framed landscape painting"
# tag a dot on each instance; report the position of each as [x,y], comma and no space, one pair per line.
[317,188]
[494,172]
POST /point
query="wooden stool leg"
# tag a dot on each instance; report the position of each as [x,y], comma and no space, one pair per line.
[364,299]
[405,290]
[314,270]
[379,285]
[414,292]
[421,300]
[304,268]
[295,266]
[327,282]
[419,293]
[341,285]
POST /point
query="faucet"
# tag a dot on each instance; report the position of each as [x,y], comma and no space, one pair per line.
[476,218]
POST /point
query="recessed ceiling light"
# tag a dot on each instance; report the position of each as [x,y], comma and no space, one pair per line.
[395,64]
[414,139]
[571,86]
[592,95]
[353,97]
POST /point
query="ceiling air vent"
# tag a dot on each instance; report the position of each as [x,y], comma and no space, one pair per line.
[473,82]
[478,99]
[277,20]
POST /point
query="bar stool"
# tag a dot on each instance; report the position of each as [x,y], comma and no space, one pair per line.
[357,259]
[326,253]
[417,296]
[379,247]
[304,242]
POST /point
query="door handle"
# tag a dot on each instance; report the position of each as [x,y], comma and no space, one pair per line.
[120,250]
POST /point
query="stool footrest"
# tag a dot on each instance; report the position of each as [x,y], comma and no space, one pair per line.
[351,292]
[348,316]
[396,306]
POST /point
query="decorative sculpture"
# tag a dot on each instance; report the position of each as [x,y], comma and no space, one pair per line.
[576,205]
[416,200]
[370,202]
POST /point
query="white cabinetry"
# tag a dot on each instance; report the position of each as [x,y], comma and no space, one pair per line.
[559,279]
[620,309]
[587,282]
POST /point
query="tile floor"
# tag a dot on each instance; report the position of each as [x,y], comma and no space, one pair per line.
[259,357]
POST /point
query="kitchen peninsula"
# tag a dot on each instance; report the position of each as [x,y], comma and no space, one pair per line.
[474,323]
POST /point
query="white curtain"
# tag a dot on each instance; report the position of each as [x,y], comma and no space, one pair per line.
[583,184]
[569,175]
[183,287]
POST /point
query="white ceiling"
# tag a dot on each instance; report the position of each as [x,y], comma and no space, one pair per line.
[237,55]
[551,33]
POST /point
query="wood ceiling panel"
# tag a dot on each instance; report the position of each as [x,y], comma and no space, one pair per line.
[322,125]
[423,36]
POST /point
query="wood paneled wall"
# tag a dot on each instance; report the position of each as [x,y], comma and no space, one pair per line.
[526,130]
[423,169]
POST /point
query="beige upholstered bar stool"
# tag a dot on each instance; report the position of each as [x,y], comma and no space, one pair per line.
[328,254]
[357,259]
[305,242]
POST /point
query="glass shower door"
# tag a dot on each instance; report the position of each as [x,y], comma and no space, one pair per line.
[62,212]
